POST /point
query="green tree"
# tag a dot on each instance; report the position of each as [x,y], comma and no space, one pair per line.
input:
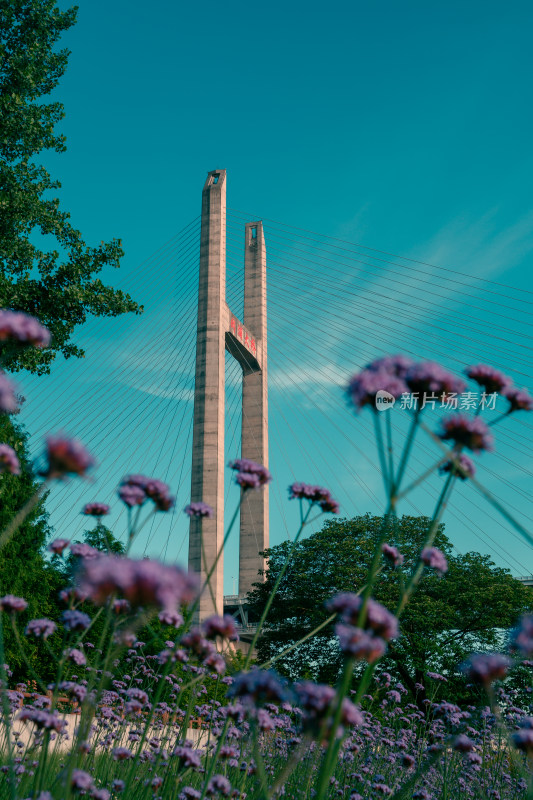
[448,617]
[24,569]
[46,268]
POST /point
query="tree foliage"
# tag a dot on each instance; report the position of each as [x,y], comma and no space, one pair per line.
[447,617]
[46,268]
[24,569]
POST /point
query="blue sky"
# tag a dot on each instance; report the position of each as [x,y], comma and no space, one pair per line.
[402,127]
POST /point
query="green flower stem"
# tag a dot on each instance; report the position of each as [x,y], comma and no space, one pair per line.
[6,712]
[21,515]
[275,589]
[213,567]
[390,450]
[421,479]
[381,453]
[442,502]
[334,743]
[290,766]
[214,757]
[406,452]
[132,527]
[136,530]
[259,762]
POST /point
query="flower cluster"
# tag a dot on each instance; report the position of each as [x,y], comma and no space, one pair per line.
[141,583]
[470,432]
[462,466]
[250,475]
[486,668]
[392,554]
[95,509]
[428,377]
[136,489]
[8,460]
[11,604]
[433,557]
[364,629]
[8,400]
[199,509]
[41,628]
[66,457]
[15,326]
[318,703]
[315,495]
[259,686]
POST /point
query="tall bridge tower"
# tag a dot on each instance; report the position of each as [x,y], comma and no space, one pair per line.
[219,330]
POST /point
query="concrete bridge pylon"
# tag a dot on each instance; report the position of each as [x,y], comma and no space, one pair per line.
[219,330]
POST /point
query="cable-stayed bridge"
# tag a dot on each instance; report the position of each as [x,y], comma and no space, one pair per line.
[332,306]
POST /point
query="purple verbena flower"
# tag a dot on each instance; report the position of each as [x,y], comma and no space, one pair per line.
[83,550]
[16,326]
[220,626]
[317,703]
[8,460]
[359,644]
[491,379]
[74,620]
[463,744]
[188,757]
[121,606]
[11,604]
[315,495]
[519,399]
[364,386]
[218,784]
[8,401]
[81,780]
[523,738]
[171,617]
[250,475]
[40,628]
[486,667]
[75,690]
[135,489]
[76,656]
[378,618]
[394,365]
[435,558]
[132,495]
[522,635]
[199,510]
[100,794]
[49,720]
[469,432]
[428,377]
[58,545]
[121,753]
[259,686]
[392,554]
[95,509]
[463,467]
[66,457]
[141,582]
